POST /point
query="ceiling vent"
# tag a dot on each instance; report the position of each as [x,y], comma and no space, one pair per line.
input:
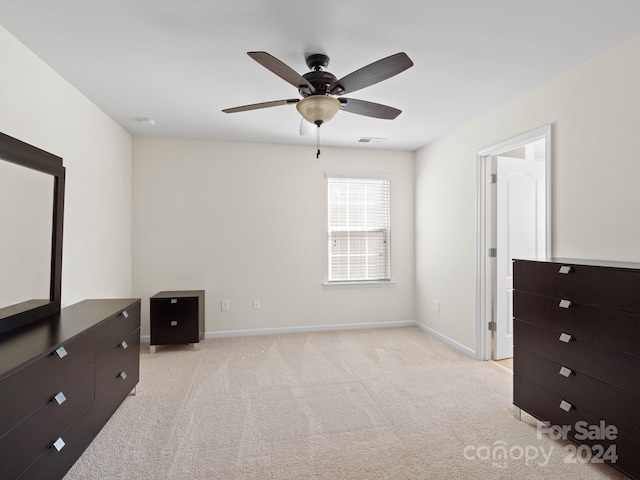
[371,140]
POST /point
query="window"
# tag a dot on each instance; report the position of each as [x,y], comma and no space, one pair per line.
[359,228]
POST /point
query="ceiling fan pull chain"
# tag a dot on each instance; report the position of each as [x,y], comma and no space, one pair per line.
[318,142]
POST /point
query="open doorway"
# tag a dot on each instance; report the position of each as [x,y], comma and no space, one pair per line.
[514,221]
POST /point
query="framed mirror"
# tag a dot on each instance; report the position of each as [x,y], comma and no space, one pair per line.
[31,221]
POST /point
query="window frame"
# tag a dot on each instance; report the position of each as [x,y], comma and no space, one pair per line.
[357,282]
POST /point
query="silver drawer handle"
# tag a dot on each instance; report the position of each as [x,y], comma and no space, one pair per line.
[125,314]
[123,375]
[565,269]
[60,398]
[59,444]
[61,352]
[565,372]
[565,303]
[124,345]
[566,406]
[565,337]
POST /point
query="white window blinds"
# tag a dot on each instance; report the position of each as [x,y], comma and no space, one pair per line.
[359,228]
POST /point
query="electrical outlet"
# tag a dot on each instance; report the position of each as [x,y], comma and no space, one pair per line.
[437,305]
[224,305]
[256,304]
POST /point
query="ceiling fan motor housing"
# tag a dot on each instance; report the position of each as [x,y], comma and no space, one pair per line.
[320,80]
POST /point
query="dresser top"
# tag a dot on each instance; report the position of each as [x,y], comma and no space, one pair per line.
[42,337]
[584,261]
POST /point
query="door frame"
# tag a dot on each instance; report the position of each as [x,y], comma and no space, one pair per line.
[485,275]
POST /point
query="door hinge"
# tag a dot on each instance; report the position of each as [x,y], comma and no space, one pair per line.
[493,252]
[493,178]
[492,326]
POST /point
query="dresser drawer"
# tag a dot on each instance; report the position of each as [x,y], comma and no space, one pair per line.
[110,364]
[28,439]
[112,388]
[40,380]
[609,287]
[613,367]
[119,353]
[113,331]
[53,463]
[546,407]
[612,328]
[588,394]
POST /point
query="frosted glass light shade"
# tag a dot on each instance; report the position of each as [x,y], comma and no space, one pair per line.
[318,109]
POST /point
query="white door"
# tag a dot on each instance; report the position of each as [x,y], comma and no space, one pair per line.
[520,233]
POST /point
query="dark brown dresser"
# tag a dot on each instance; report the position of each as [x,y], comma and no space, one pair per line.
[577,354]
[61,379]
[176,317]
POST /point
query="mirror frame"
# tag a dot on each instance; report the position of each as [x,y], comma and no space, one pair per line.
[28,156]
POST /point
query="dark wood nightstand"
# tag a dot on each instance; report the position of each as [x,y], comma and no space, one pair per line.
[177,317]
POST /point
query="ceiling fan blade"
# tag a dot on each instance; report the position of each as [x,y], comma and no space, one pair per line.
[369,109]
[281,69]
[371,74]
[256,106]
[306,128]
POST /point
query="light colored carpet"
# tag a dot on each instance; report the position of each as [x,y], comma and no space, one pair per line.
[364,404]
[506,363]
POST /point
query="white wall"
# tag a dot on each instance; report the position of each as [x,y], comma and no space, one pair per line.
[595,111]
[39,107]
[245,221]
[203,211]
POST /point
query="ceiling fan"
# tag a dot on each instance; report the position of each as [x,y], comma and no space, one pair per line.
[319,88]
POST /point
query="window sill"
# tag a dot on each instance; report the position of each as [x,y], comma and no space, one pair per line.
[375,284]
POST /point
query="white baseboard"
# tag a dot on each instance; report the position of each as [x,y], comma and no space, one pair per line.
[449,341]
[346,326]
[313,328]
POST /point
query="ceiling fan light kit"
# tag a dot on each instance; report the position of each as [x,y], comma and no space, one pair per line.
[318,109]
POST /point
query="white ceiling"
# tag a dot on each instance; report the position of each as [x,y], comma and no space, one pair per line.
[181,62]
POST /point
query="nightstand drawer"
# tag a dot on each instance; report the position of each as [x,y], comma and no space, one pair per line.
[612,328]
[591,285]
[613,367]
[174,308]
[176,330]
[576,388]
